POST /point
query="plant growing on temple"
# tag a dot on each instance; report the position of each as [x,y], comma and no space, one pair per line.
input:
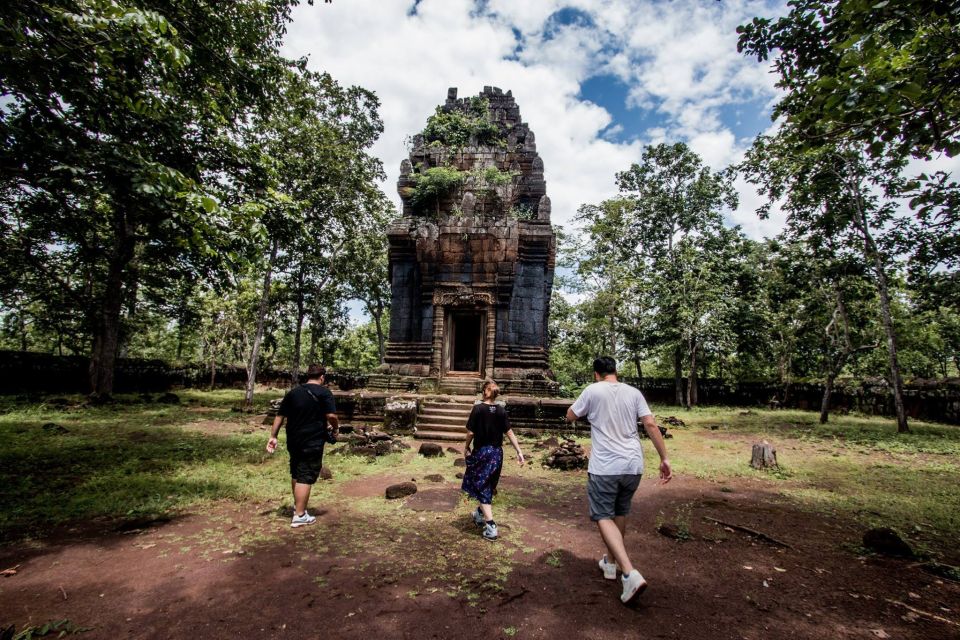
[457,127]
[433,184]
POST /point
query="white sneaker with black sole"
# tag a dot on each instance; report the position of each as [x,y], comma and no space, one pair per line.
[609,568]
[302,520]
[478,518]
[633,586]
[490,531]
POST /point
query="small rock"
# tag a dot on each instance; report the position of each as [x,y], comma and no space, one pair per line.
[433,477]
[430,450]
[459,476]
[325,473]
[401,490]
[669,530]
[714,427]
[885,541]
[551,442]
[169,398]
[53,427]
[454,450]
[460,462]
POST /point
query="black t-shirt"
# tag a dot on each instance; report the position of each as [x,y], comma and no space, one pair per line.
[488,423]
[300,408]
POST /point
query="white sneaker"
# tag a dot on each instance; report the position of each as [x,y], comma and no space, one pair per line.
[478,518]
[302,520]
[633,586]
[609,568]
[490,531]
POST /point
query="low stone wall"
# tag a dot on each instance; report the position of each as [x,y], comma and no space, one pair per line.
[936,400]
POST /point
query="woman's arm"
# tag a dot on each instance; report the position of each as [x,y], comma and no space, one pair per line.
[467,442]
[516,445]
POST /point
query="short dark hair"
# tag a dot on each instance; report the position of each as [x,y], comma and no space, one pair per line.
[605,365]
[315,371]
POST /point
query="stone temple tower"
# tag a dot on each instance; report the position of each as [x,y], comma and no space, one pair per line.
[472,258]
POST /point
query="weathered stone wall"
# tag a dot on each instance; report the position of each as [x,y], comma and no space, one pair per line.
[489,250]
[937,400]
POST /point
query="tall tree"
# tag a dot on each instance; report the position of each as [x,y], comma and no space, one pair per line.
[837,196]
[117,132]
[318,181]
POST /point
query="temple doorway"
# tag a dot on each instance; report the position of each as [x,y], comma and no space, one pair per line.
[465,340]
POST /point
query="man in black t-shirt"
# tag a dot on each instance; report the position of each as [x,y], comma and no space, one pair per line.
[308,409]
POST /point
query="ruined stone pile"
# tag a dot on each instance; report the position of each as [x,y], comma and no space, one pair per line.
[567,456]
[372,443]
[673,421]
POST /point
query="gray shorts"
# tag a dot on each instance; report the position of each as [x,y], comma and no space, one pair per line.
[610,496]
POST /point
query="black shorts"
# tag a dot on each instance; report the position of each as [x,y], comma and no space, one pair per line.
[305,467]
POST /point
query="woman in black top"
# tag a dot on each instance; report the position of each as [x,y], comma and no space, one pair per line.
[487,425]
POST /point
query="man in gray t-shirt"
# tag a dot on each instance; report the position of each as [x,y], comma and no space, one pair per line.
[616,463]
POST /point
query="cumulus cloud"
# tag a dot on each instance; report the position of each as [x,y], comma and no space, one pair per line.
[678,58]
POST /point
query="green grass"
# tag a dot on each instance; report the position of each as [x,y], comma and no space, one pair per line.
[855,466]
[135,460]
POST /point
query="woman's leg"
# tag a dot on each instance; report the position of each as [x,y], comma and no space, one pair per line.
[487,511]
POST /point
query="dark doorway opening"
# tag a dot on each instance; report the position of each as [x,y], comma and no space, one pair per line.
[467,342]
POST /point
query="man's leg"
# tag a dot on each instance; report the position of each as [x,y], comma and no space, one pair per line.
[301,494]
[613,538]
[622,525]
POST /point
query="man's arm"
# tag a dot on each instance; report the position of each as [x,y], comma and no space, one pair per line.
[650,424]
[571,416]
[334,423]
[272,442]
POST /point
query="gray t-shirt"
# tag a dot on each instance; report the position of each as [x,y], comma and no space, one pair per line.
[613,408]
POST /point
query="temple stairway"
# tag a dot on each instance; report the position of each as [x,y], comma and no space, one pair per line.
[443,420]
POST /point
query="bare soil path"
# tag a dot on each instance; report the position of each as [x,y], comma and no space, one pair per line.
[420,570]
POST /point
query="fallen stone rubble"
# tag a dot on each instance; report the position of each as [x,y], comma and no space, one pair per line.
[567,456]
[371,443]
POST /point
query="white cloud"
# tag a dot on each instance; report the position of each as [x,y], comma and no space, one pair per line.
[678,57]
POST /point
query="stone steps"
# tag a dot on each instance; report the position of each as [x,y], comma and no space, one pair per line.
[443,420]
[440,435]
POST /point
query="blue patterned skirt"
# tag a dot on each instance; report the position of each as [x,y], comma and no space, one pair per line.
[483,473]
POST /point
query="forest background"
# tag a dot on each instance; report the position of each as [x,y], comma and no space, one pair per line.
[173,187]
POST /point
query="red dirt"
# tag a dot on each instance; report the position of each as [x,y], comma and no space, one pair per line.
[143,584]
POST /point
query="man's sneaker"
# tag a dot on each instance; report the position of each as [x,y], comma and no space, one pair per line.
[609,568]
[633,586]
[478,518]
[490,531]
[302,520]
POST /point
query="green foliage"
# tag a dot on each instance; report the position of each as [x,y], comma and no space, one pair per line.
[62,629]
[456,128]
[430,185]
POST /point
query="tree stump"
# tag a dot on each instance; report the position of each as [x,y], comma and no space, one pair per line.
[764,456]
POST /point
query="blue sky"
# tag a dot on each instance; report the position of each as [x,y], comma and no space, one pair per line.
[596,80]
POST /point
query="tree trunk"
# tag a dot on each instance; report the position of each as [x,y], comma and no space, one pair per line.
[678,375]
[637,364]
[763,456]
[213,372]
[298,330]
[106,338]
[692,378]
[261,320]
[825,403]
[378,323]
[872,254]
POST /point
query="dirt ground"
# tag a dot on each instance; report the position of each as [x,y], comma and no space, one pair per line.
[240,571]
